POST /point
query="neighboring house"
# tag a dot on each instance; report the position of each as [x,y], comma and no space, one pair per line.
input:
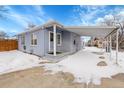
[98,42]
[51,38]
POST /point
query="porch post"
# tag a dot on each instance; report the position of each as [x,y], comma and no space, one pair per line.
[107,45]
[103,44]
[110,46]
[54,40]
[117,47]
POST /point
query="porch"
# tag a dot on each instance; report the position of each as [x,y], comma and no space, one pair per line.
[59,41]
[58,57]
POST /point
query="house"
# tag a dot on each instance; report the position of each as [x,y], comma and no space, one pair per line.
[54,39]
[49,39]
[98,42]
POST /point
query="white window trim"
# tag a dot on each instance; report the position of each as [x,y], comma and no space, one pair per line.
[60,39]
[32,38]
[56,40]
[23,39]
[49,40]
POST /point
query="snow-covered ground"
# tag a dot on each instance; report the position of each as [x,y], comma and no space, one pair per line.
[15,60]
[83,65]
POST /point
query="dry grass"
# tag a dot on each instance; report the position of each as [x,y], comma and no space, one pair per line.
[98,53]
[36,78]
[102,63]
[102,57]
[119,76]
[45,62]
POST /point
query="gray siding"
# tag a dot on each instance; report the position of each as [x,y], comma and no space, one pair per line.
[75,47]
[59,48]
[36,49]
[42,46]
[19,43]
[66,41]
[46,40]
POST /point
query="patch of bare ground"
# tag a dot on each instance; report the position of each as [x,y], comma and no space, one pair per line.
[98,53]
[45,62]
[102,57]
[119,76]
[117,81]
[102,63]
[36,78]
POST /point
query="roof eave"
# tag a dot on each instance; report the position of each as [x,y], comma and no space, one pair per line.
[48,24]
[90,27]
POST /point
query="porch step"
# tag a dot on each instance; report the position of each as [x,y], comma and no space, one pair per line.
[57,58]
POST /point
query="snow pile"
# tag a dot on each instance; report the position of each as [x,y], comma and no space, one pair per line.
[83,65]
[16,60]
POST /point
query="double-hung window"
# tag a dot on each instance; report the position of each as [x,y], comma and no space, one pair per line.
[59,39]
[51,37]
[33,39]
[23,39]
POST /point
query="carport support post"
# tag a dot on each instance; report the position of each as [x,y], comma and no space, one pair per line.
[117,47]
[54,40]
[107,45]
[110,46]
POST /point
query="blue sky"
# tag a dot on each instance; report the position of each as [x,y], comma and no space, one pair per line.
[18,17]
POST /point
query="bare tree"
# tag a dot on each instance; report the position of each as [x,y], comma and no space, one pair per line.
[117,21]
[30,25]
[3,35]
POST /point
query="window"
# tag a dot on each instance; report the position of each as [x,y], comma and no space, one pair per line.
[33,39]
[74,42]
[23,39]
[58,39]
[51,36]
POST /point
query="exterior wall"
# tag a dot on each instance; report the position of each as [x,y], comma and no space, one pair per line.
[42,46]
[67,42]
[77,46]
[58,48]
[19,43]
[46,40]
[78,42]
[34,49]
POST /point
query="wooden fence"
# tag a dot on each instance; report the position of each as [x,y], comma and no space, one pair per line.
[7,45]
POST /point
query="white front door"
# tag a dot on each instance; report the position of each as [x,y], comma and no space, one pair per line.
[51,41]
[58,40]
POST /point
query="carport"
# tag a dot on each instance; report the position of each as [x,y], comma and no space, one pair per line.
[104,32]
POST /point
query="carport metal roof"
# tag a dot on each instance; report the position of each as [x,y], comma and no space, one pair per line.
[93,31]
[98,31]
